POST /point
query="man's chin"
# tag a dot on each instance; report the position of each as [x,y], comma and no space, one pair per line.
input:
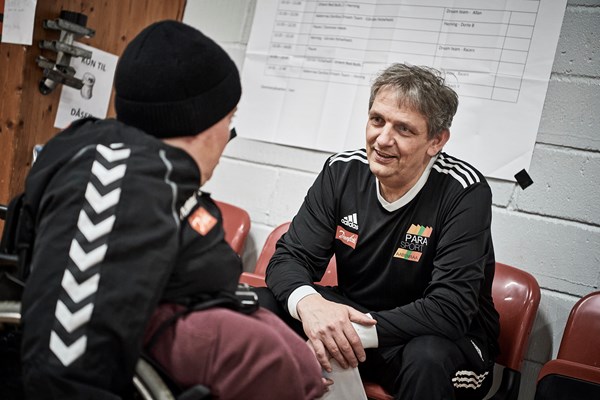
[379,170]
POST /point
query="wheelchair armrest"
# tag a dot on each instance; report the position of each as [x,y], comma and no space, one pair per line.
[8,262]
[10,312]
[197,392]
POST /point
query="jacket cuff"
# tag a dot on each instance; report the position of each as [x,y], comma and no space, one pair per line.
[367,334]
[297,295]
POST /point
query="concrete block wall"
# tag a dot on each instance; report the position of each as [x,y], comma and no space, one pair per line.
[551,229]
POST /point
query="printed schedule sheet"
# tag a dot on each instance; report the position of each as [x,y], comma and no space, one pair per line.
[309,66]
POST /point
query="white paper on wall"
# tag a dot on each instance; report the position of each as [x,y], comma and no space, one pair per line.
[17,24]
[309,65]
[92,100]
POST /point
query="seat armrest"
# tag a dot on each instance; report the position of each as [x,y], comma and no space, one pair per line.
[253,279]
[570,369]
[376,392]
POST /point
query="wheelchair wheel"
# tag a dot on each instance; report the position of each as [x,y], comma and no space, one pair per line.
[148,384]
[10,351]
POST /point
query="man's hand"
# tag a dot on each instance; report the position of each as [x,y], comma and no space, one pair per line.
[330,332]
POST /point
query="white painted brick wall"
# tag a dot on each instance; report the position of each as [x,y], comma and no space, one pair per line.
[565,180]
[551,229]
[570,117]
[562,255]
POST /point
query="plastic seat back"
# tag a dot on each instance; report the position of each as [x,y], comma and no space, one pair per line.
[516,295]
[575,373]
[257,277]
[268,248]
[581,338]
[236,224]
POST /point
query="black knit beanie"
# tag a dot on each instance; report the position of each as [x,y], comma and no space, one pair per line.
[174,81]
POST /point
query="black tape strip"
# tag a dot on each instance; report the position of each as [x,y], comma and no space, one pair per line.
[523,179]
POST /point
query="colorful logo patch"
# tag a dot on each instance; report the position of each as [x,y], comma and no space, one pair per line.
[348,238]
[202,221]
[424,231]
[414,243]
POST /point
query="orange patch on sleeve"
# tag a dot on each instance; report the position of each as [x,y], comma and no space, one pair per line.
[202,221]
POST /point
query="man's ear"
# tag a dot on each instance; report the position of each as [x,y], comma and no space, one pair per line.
[438,142]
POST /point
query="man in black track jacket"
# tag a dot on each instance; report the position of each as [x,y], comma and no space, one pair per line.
[121,227]
[409,226]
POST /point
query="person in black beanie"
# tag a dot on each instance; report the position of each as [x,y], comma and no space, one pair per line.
[123,240]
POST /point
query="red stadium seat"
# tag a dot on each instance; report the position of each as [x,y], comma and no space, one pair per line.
[575,373]
[257,278]
[236,224]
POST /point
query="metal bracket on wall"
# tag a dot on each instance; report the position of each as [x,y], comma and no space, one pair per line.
[71,26]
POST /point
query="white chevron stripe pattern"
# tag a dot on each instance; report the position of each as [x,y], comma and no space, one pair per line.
[82,260]
[72,321]
[91,231]
[101,203]
[108,176]
[468,379]
[111,155]
[67,354]
[85,260]
[79,291]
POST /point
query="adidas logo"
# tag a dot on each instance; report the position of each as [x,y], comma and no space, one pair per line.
[350,221]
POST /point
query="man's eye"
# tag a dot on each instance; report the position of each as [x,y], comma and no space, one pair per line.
[376,120]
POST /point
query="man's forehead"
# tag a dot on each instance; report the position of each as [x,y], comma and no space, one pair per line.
[401,101]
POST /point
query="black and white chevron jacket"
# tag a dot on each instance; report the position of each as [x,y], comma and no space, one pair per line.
[119,225]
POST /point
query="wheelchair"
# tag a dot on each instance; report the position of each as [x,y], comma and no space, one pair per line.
[149,382]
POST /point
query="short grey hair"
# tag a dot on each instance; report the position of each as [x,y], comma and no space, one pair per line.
[423,89]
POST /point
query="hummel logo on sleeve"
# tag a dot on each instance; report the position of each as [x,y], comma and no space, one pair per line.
[350,221]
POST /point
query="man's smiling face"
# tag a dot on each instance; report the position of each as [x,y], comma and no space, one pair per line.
[398,147]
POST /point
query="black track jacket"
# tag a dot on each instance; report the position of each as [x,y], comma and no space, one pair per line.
[119,226]
[423,265]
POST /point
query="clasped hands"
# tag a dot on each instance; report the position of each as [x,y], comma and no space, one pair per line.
[328,326]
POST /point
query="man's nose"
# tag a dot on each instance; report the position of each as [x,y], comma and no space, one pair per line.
[385,137]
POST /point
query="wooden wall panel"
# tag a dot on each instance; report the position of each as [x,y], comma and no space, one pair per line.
[11,93]
[27,116]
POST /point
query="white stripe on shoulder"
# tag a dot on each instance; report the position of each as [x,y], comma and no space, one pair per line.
[457,169]
[446,165]
[463,166]
[451,172]
[360,155]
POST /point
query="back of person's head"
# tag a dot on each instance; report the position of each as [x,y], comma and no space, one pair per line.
[422,89]
[174,81]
